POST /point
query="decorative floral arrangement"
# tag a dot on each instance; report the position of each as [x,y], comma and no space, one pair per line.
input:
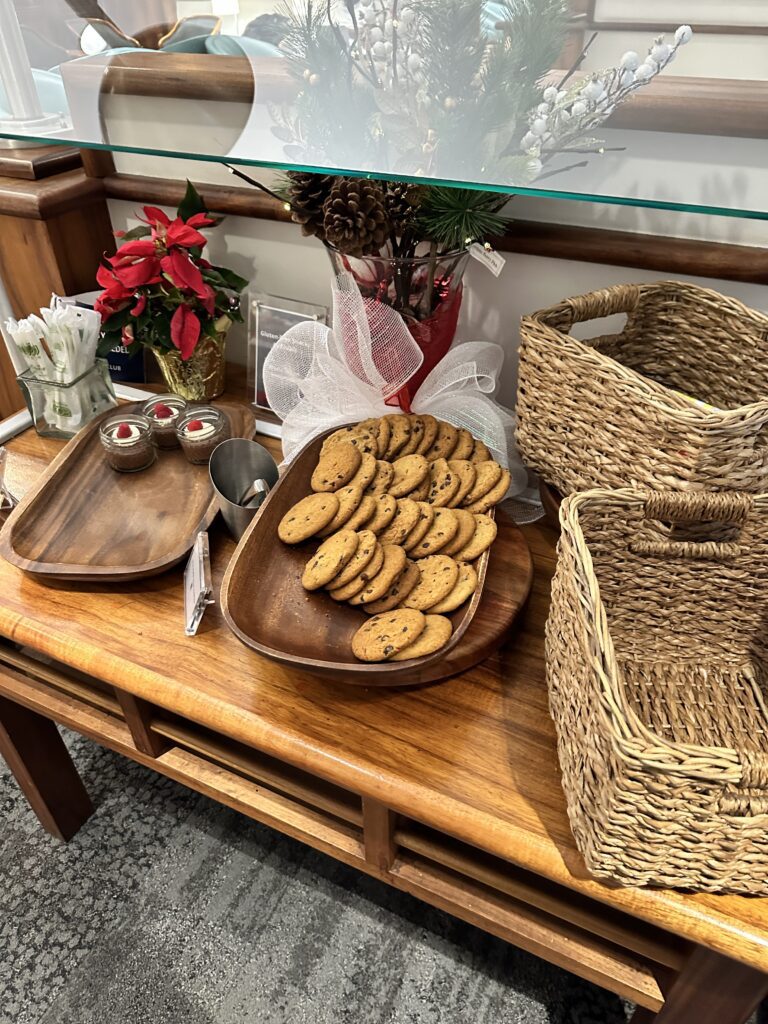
[451,89]
[159,290]
[362,217]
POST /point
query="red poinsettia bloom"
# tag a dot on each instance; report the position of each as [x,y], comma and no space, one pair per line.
[115,295]
[136,275]
[155,217]
[159,283]
[184,235]
[132,251]
[185,331]
[183,273]
[208,301]
[200,220]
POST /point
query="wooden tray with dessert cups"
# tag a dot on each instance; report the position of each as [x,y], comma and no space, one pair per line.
[82,521]
[267,608]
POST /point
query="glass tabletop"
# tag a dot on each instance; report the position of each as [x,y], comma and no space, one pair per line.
[661,104]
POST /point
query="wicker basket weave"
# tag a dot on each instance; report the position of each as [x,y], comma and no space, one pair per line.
[657,651]
[616,411]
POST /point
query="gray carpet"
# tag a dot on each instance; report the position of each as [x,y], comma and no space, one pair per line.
[169,909]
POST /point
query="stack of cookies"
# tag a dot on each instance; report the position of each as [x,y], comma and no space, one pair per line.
[401,504]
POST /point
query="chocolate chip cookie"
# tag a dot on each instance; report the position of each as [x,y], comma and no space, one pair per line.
[387,634]
[464,588]
[408,473]
[484,536]
[349,590]
[444,443]
[330,559]
[467,475]
[405,519]
[349,500]
[439,575]
[336,467]
[487,476]
[362,555]
[306,517]
[399,590]
[393,565]
[435,635]
[441,532]
[382,479]
[443,484]
[494,496]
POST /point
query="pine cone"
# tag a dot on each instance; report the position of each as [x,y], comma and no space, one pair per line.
[356,220]
[403,199]
[307,195]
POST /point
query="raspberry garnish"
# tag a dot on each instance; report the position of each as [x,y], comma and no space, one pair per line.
[123,431]
[195,425]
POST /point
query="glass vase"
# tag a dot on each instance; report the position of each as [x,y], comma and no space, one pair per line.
[425,290]
[199,378]
[62,409]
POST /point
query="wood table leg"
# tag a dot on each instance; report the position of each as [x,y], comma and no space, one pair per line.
[710,989]
[378,834]
[38,758]
[138,715]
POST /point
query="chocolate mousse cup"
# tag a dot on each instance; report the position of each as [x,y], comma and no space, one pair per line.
[200,430]
[127,442]
[163,413]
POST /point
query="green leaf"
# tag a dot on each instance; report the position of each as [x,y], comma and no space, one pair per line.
[106,343]
[191,203]
[229,278]
[142,231]
[118,320]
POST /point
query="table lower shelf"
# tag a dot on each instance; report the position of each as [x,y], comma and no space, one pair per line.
[603,945]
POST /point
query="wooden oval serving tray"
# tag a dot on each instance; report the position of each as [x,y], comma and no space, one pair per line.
[83,521]
[266,606]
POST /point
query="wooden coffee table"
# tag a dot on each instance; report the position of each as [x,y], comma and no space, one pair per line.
[450,792]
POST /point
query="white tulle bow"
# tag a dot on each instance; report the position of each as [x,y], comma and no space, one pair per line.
[317,378]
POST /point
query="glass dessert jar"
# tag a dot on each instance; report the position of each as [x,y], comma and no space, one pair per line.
[200,430]
[163,413]
[127,442]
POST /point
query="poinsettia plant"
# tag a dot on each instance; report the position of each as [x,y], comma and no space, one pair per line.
[160,291]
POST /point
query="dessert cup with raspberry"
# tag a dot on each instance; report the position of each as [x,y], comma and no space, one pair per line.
[163,413]
[127,442]
[200,430]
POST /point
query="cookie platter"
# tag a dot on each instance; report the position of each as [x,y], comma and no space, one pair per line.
[84,522]
[286,596]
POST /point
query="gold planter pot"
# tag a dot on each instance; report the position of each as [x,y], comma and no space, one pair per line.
[202,376]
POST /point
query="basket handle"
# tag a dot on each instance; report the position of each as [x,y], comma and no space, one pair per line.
[694,506]
[623,298]
[750,796]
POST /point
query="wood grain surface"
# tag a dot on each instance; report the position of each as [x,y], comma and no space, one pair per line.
[84,521]
[34,162]
[473,757]
[268,609]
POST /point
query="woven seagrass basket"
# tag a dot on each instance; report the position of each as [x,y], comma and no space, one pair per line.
[677,399]
[657,662]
